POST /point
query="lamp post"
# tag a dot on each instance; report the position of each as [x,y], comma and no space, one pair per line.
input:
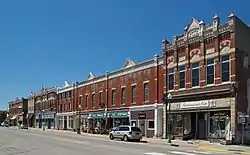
[43,119]
[166,101]
[169,119]
[79,119]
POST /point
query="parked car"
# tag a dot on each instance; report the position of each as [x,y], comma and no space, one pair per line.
[126,133]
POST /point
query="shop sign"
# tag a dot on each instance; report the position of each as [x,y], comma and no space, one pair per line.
[197,104]
[141,116]
[118,114]
[97,115]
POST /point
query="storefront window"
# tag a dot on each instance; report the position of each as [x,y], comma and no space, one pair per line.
[133,123]
[151,124]
[218,124]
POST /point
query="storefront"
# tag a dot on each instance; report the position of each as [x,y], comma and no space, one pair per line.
[30,120]
[148,119]
[65,121]
[118,117]
[96,120]
[203,119]
[13,120]
[46,120]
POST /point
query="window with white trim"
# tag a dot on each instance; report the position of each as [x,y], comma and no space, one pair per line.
[195,74]
[93,100]
[87,101]
[182,76]
[146,92]
[101,97]
[123,95]
[134,94]
[113,97]
[210,71]
[151,124]
[170,78]
[225,68]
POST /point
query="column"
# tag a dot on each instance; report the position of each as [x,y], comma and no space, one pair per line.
[208,122]
[68,121]
[156,121]
[164,122]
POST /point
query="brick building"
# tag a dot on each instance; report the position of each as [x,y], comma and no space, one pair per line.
[130,95]
[45,107]
[65,110]
[31,110]
[18,110]
[205,76]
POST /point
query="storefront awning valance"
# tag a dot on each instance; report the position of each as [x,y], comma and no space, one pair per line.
[118,114]
[14,117]
[97,115]
[28,116]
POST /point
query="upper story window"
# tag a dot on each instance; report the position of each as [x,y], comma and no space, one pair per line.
[101,97]
[134,94]
[69,94]
[87,101]
[113,97]
[182,76]
[146,92]
[210,71]
[170,78]
[93,101]
[123,95]
[80,100]
[225,68]
[195,74]
[70,106]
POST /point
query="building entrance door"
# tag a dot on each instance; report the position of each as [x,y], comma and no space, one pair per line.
[65,124]
[201,125]
[142,126]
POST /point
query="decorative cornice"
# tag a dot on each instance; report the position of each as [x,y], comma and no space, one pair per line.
[124,71]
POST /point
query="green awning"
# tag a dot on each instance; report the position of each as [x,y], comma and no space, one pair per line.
[97,115]
[118,114]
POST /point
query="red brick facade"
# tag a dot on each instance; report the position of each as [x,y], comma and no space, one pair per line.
[152,75]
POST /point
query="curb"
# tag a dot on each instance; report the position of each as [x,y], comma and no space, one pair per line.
[222,150]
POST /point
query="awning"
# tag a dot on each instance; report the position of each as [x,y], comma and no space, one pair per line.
[14,117]
[28,116]
[96,115]
[118,114]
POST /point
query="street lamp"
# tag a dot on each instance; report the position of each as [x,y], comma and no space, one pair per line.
[166,101]
[169,119]
[79,119]
[43,119]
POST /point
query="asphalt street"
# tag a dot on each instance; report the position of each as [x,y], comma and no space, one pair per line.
[30,142]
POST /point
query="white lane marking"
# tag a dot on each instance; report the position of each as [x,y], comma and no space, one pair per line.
[154,153]
[184,153]
[201,152]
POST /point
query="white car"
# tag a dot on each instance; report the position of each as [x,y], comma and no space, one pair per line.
[126,133]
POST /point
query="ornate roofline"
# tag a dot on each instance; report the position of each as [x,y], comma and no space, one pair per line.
[157,60]
[198,30]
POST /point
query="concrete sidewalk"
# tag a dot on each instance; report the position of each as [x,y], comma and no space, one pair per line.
[203,145]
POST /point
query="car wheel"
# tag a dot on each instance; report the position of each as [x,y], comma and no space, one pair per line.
[125,138]
[111,137]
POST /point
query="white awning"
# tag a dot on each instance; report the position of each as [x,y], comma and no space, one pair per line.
[14,117]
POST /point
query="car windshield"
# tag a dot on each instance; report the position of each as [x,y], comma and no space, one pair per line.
[135,129]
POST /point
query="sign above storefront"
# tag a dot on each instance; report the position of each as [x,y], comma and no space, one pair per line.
[197,104]
[118,114]
[97,115]
[141,116]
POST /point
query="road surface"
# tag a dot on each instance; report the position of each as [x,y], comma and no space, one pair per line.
[36,142]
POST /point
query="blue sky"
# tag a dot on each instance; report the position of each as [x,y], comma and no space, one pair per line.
[50,41]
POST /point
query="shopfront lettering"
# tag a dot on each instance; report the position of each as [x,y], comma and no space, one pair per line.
[197,104]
